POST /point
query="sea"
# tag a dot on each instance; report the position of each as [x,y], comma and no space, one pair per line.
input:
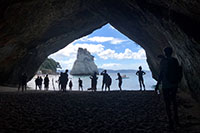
[129,83]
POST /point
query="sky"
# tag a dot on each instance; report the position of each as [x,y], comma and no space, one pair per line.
[110,48]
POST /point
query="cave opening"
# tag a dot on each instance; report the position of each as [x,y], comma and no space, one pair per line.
[112,51]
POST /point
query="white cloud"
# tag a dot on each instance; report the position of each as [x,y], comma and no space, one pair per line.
[101,39]
[128,54]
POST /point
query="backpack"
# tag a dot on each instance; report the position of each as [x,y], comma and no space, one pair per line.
[174,72]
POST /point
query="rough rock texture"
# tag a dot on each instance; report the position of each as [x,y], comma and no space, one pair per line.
[84,64]
[31,30]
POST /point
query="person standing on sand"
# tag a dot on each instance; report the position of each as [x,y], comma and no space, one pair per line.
[22,82]
[40,83]
[93,82]
[80,84]
[170,75]
[108,82]
[105,78]
[64,80]
[37,82]
[120,81]
[46,82]
[70,85]
[140,74]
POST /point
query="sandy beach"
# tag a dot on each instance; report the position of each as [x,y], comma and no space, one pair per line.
[128,111]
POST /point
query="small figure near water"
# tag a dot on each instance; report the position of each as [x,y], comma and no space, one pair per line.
[80,84]
[120,81]
[22,82]
[64,80]
[93,82]
[105,77]
[40,83]
[140,74]
[70,85]
[46,83]
[170,75]
[108,83]
[37,82]
[106,80]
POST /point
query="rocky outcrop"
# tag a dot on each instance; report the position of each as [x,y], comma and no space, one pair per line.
[32,30]
[84,64]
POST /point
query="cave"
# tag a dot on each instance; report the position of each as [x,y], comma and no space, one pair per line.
[32,30]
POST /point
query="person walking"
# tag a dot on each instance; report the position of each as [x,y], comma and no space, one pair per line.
[120,81]
[80,84]
[170,75]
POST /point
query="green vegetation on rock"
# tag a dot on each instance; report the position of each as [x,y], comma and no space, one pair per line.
[49,66]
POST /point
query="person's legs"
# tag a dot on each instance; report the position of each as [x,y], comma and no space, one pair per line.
[175,106]
[102,85]
[140,85]
[143,85]
[120,86]
[167,100]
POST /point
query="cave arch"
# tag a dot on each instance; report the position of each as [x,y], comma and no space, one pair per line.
[28,36]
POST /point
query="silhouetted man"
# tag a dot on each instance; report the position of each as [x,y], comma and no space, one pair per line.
[108,83]
[140,74]
[46,82]
[40,83]
[64,80]
[70,85]
[105,78]
[37,82]
[22,82]
[80,84]
[170,76]
[93,82]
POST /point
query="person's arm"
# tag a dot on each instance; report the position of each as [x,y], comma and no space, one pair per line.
[144,73]
[136,73]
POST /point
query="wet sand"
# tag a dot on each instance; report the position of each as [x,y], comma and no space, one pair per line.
[128,111]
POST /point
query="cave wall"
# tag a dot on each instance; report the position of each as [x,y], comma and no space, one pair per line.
[32,30]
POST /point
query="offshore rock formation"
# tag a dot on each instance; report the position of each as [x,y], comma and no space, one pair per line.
[32,30]
[84,64]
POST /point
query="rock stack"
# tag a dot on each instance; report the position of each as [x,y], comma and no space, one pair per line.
[84,64]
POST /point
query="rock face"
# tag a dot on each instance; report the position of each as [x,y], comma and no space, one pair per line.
[32,30]
[84,64]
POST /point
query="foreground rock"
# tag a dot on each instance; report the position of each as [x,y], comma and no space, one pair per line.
[28,36]
[89,112]
[84,64]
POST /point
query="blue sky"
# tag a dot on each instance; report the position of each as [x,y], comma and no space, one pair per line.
[111,49]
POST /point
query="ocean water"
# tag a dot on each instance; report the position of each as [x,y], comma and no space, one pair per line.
[131,83]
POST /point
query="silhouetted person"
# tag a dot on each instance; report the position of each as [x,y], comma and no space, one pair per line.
[59,82]
[105,78]
[40,83]
[64,80]
[46,82]
[170,75]
[37,82]
[22,82]
[120,81]
[93,82]
[80,84]
[140,74]
[70,85]
[108,82]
